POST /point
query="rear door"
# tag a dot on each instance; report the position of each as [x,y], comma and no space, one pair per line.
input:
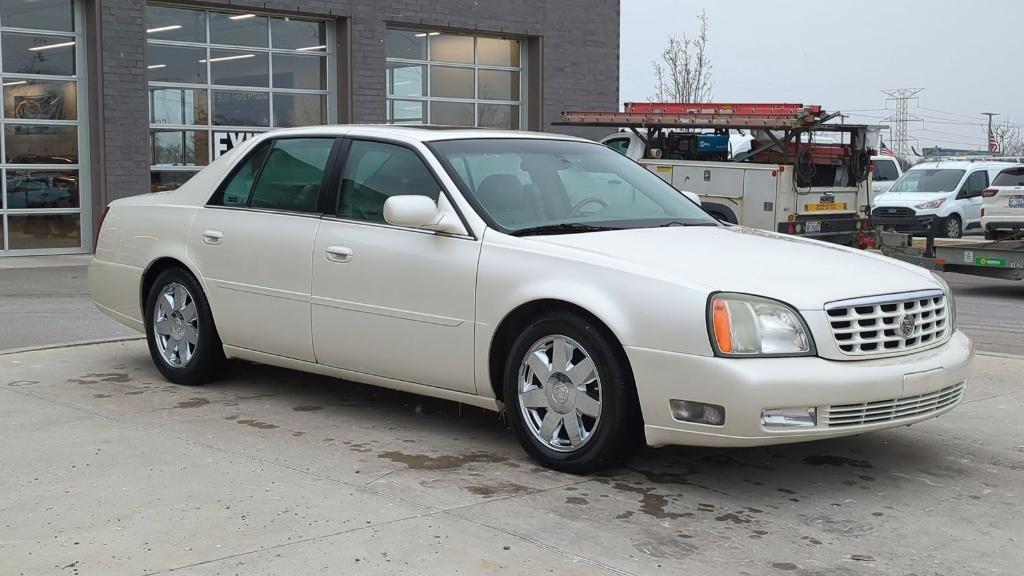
[252,243]
[1009,197]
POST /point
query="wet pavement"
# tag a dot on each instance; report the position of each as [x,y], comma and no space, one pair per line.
[107,469]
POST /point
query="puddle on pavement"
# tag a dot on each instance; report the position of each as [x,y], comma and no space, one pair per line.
[447,462]
[192,403]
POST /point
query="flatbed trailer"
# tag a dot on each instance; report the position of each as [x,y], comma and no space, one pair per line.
[1002,259]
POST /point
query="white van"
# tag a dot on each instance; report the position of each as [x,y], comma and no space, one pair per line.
[942,195]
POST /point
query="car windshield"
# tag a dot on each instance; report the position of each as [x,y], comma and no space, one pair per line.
[554,186]
[929,180]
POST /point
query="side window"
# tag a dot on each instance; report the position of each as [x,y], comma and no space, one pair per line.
[885,171]
[375,171]
[293,174]
[976,182]
[620,145]
[236,193]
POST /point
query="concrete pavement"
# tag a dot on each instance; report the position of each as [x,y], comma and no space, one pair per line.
[107,469]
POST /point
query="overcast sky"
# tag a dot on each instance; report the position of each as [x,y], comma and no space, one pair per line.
[968,57]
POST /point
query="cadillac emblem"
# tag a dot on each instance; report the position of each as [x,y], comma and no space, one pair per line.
[907,326]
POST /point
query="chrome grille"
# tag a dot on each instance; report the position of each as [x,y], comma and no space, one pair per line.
[886,410]
[881,325]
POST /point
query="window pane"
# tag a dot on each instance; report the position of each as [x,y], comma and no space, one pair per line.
[163,23]
[498,85]
[236,193]
[448,82]
[241,108]
[176,64]
[406,44]
[232,68]
[41,144]
[498,51]
[406,79]
[376,171]
[300,72]
[499,116]
[292,110]
[298,34]
[450,48]
[164,181]
[39,14]
[44,231]
[42,189]
[293,174]
[452,114]
[407,112]
[181,147]
[28,54]
[40,99]
[178,106]
[238,29]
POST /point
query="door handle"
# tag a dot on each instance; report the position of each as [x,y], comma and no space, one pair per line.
[213,237]
[339,254]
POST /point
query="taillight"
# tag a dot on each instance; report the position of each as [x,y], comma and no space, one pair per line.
[791,228]
[989,193]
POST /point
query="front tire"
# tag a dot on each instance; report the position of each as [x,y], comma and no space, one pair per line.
[183,340]
[570,395]
[953,227]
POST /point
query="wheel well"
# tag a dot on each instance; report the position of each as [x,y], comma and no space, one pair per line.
[514,323]
[151,274]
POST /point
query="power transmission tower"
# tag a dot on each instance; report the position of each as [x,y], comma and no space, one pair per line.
[993,145]
[899,132]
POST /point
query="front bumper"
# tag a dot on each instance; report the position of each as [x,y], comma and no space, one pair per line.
[745,387]
[910,224]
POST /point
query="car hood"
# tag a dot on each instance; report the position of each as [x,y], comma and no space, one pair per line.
[907,198]
[803,273]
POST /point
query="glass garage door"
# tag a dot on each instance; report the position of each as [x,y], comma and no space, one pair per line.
[45,208]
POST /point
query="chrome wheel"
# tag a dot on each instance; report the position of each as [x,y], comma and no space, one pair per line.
[176,325]
[560,393]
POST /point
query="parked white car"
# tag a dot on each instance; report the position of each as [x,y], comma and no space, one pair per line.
[944,195]
[887,171]
[540,274]
[1002,205]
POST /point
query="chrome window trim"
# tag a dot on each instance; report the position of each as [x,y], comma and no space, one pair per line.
[885,299]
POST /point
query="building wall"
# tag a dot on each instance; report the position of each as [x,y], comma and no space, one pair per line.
[579,70]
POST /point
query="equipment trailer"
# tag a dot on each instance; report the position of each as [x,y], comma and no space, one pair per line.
[1003,259]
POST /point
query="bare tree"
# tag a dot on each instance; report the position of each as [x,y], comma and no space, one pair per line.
[1009,138]
[684,72]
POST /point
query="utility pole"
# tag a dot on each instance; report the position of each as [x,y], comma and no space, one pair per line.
[899,133]
[993,145]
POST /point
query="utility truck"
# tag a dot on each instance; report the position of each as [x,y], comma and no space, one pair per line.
[795,173]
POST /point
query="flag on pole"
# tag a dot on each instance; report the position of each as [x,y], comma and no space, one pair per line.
[993,145]
[886,151]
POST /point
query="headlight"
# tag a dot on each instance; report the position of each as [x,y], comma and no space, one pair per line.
[950,301]
[741,325]
[930,205]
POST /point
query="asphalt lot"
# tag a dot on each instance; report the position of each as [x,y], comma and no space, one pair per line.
[107,469]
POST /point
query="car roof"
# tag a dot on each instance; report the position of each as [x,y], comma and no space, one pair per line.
[962,165]
[421,133]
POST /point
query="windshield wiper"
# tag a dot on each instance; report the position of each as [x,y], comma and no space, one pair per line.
[564,228]
[678,223]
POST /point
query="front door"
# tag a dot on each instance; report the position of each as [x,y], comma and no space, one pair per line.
[971,193]
[390,301]
[253,243]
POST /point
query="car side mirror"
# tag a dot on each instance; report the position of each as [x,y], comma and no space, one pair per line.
[415,211]
[692,196]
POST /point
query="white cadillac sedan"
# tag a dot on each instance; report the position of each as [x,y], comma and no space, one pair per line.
[540,274]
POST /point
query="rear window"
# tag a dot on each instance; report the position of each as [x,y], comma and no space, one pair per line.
[1010,177]
[885,171]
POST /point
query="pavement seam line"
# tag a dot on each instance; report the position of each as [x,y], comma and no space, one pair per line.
[286,544]
[75,344]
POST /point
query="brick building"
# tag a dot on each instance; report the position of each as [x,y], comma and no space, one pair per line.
[109,98]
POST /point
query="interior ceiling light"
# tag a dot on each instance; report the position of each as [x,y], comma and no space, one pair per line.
[242,17]
[49,46]
[309,48]
[226,58]
[164,29]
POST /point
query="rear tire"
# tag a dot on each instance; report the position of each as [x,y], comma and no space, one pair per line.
[953,227]
[183,340]
[576,412]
